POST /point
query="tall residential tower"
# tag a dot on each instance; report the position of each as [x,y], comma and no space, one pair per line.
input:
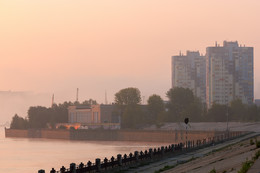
[190,72]
[229,73]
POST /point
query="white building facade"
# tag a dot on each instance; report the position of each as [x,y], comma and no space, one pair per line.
[229,74]
[189,71]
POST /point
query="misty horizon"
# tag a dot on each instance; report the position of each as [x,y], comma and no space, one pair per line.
[54,47]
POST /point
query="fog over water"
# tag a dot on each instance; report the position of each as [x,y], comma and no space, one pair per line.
[20,155]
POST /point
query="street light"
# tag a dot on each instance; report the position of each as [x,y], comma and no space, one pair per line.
[186,121]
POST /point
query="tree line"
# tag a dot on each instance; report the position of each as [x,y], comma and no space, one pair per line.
[181,104]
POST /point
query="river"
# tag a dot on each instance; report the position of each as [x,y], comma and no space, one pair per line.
[21,155]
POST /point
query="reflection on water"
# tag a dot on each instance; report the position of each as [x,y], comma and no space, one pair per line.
[20,155]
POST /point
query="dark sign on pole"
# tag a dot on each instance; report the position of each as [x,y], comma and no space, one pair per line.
[186,120]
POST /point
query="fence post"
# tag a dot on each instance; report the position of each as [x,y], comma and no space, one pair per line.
[119,159]
[98,164]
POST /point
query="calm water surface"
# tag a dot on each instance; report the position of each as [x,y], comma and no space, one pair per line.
[20,155]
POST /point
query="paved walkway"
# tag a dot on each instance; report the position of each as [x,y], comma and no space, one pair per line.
[195,154]
[256,167]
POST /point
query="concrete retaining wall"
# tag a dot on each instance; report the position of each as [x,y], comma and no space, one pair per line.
[16,133]
[116,135]
[55,134]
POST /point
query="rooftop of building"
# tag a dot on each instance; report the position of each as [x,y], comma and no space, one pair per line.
[189,54]
[228,44]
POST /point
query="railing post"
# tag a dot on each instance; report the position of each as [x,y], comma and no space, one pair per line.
[162,150]
[98,164]
[151,153]
[52,170]
[136,156]
[119,159]
[73,168]
[172,148]
[62,169]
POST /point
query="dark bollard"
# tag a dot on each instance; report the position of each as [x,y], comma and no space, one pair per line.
[73,168]
[52,170]
[98,164]
[41,171]
[136,155]
[119,159]
[62,169]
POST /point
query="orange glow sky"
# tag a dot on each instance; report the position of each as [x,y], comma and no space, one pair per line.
[56,46]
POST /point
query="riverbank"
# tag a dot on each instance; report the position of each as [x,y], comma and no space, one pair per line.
[225,157]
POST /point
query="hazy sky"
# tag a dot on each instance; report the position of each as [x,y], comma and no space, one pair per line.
[56,46]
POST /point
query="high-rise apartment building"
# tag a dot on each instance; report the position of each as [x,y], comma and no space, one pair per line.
[229,73]
[189,71]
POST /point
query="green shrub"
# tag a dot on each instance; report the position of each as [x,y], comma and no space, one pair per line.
[213,171]
[246,166]
[257,144]
[251,142]
[257,155]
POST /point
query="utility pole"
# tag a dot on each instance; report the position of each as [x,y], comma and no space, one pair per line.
[52,100]
[77,95]
[106,97]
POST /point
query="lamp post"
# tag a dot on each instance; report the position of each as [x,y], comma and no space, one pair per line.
[186,121]
[227,123]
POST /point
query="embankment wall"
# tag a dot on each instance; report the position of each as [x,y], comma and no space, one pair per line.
[115,135]
[16,133]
